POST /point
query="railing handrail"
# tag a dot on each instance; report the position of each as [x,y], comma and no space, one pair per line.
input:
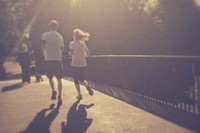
[147,56]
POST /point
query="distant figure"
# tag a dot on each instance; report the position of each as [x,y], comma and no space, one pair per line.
[53,45]
[79,51]
[30,47]
[24,60]
[34,70]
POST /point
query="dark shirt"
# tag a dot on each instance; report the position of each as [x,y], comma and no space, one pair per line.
[24,59]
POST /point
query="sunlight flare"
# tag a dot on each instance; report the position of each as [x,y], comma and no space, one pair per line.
[151,6]
[28,28]
[75,3]
[197,2]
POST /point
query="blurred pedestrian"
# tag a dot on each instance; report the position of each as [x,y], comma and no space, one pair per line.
[79,51]
[24,60]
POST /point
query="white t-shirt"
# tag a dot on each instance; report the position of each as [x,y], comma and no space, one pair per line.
[54,43]
[79,54]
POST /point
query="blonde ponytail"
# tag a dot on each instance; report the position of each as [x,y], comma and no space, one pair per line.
[79,35]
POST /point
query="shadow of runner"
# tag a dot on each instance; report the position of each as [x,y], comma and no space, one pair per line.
[77,121]
[42,123]
[12,87]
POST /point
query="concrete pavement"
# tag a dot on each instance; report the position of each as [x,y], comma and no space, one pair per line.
[28,108]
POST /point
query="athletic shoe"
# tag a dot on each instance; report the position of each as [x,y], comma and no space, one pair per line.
[79,97]
[59,101]
[90,90]
[53,96]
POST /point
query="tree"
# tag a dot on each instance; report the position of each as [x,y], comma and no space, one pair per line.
[175,27]
[116,26]
[15,16]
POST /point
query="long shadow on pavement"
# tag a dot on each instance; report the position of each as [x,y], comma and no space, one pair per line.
[12,87]
[41,123]
[77,121]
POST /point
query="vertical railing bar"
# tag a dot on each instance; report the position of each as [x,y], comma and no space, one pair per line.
[152,81]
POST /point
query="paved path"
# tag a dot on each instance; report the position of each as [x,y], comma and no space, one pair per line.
[27,108]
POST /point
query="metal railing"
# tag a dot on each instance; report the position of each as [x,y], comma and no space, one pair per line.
[167,79]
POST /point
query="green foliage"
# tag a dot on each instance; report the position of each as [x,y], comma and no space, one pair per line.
[15,16]
[116,26]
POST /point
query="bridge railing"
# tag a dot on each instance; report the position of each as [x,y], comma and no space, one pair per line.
[167,79]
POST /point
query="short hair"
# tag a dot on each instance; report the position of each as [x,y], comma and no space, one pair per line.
[53,25]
